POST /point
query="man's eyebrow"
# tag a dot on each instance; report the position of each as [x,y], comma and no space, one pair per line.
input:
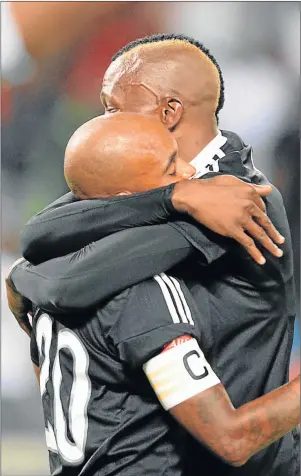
[170,160]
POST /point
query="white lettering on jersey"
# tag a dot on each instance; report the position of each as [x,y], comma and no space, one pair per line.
[80,395]
[56,435]
[44,335]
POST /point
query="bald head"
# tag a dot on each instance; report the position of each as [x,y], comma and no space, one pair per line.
[117,154]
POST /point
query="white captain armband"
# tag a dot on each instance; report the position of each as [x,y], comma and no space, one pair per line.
[179,373]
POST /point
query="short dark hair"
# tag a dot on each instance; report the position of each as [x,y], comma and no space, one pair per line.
[187,39]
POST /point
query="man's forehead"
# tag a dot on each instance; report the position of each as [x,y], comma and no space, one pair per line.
[122,72]
[166,65]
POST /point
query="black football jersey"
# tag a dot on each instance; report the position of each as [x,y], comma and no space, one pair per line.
[101,414]
[248,333]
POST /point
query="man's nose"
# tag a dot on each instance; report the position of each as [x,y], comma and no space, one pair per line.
[185,170]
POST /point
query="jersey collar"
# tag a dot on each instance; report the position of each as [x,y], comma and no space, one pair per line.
[208,157]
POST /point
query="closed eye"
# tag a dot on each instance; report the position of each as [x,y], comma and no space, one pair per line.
[111,110]
[171,162]
[173,173]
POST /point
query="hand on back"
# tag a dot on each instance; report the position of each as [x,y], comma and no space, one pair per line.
[232,208]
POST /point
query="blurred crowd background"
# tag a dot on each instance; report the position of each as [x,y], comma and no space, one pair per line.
[53,58]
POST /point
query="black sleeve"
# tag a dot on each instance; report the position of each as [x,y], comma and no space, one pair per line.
[85,278]
[103,268]
[69,224]
[156,312]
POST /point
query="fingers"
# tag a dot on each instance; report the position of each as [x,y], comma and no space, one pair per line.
[249,244]
[258,233]
[263,190]
[260,228]
[264,221]
[258,201]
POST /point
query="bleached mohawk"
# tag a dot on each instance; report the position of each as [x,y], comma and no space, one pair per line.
[178,39]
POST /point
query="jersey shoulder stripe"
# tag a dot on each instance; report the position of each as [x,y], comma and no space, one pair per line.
[175,299]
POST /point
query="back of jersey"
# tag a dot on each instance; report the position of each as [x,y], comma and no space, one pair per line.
[65,391]
[83,390]
[101,414]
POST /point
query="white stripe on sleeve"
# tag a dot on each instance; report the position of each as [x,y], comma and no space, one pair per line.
[182,296]
[168,300]
[176,297]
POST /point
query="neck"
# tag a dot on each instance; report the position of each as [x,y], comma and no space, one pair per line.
[192,137]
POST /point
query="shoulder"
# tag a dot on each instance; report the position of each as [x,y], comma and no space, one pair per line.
[157,303]
[163,296]
[154,312]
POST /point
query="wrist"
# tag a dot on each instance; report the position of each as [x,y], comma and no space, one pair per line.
[184,193]
[179,196]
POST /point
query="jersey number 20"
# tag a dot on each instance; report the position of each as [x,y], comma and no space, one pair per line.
[56,436]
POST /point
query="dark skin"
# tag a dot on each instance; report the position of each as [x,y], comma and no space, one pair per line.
[122,154]
[153,80]
[234,435]
[161,147]
[110,156]
[237,434]
[224,204]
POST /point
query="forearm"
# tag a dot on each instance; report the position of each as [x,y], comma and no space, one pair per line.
[267,419]
[67,225]
[220,204]
[102,269]
[245,431]
[235,435]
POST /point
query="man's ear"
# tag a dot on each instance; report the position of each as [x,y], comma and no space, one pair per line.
[171,112]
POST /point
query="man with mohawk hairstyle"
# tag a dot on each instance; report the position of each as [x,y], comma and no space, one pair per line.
[145,78]
[175,79]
